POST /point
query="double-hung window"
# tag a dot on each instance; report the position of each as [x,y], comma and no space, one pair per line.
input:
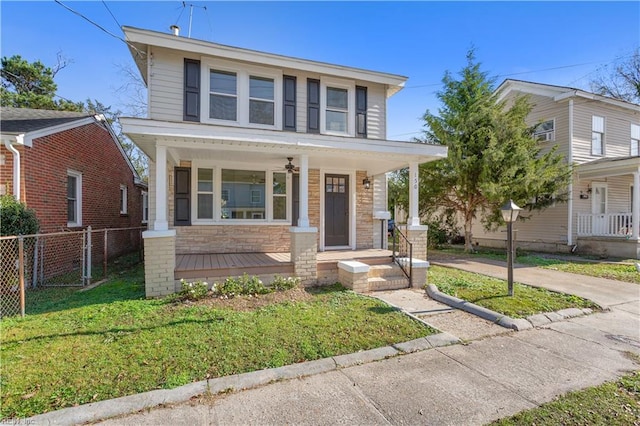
[205,194]
[337,107]
[261,100]
[246,96]
[74,198]
[123,199]
[635,140]
[597,136]
[145,206]
[223,95]
[337,113]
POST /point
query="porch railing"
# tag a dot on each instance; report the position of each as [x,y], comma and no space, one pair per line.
[605,225]
[402,252]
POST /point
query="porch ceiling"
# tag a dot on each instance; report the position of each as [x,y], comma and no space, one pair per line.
[186,141]
[607,167]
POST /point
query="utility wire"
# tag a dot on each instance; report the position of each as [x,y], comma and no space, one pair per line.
[101,28]
[111,13]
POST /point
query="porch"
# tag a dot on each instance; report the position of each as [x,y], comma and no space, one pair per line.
[605,225]
[222,265]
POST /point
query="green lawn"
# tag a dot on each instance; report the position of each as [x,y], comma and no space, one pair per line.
[110,341]
[491,293]
[613,403]
[621,271]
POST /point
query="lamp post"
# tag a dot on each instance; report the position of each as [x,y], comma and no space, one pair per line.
[510,213]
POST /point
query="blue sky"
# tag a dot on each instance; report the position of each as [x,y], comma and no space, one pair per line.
[563,43]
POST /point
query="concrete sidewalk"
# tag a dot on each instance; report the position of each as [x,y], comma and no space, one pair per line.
[493,375]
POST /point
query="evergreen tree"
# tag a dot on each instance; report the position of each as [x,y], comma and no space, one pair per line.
[31,85]
[493,156]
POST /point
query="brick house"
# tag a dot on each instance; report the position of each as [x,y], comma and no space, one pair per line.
[262,160]
[70,168]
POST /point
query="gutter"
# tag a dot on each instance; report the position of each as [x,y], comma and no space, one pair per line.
[16,166]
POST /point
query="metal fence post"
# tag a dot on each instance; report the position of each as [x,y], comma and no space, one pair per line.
[21,271]
[105,254]
[88,255]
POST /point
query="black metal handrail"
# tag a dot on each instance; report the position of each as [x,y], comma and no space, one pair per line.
[404,251]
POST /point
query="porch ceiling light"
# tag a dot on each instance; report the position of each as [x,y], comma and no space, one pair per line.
[510,211]
[367,183]
[290,167]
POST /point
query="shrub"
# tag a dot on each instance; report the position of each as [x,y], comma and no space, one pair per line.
[16,218]
[284,283]
[192,290]
[229,287]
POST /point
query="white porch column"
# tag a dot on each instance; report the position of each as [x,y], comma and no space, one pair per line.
[160,223]
[635,208]
[303,219]
[414,183]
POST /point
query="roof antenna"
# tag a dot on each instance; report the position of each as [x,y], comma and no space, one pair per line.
[191,6]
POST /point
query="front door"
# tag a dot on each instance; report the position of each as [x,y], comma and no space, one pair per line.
[336,210]
[599,209]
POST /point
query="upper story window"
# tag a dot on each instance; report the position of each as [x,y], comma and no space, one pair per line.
[597,136]
[261,100]
[223,97]
[635,140]
[337,111]
[545,131]
[74,198]
[337,107]
[242,96]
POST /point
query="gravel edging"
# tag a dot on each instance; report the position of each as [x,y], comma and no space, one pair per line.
[517,324]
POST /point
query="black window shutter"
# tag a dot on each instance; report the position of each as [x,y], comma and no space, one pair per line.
[361,112]
[191,90]
[182,204]
[289,107]
[313,106]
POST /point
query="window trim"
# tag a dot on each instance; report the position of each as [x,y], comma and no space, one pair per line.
[243,75]
[601,133]
[124,199]
[78,176]
[350,86]
[217,189]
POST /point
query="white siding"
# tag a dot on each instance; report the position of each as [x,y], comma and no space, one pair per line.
[166,85]
[617,129]
[166,89]
[548,226]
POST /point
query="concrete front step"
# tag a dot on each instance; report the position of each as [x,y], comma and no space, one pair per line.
[384,271]
[387,283]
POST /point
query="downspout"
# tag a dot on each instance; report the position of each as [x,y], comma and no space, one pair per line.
[570,161]
[16,169]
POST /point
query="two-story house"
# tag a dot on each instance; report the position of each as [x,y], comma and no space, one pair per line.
[252,152]
[600,136]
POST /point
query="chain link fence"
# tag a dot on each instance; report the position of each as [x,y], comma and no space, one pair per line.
[36,268]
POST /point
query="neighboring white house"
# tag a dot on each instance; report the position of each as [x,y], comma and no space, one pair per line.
[256,152]
[601,137]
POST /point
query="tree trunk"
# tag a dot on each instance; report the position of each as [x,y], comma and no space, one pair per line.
[468,244]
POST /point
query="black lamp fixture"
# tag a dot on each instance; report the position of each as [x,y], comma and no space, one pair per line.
[366,182]
[290,167]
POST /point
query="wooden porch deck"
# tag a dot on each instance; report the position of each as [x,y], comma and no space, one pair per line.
[198,266]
